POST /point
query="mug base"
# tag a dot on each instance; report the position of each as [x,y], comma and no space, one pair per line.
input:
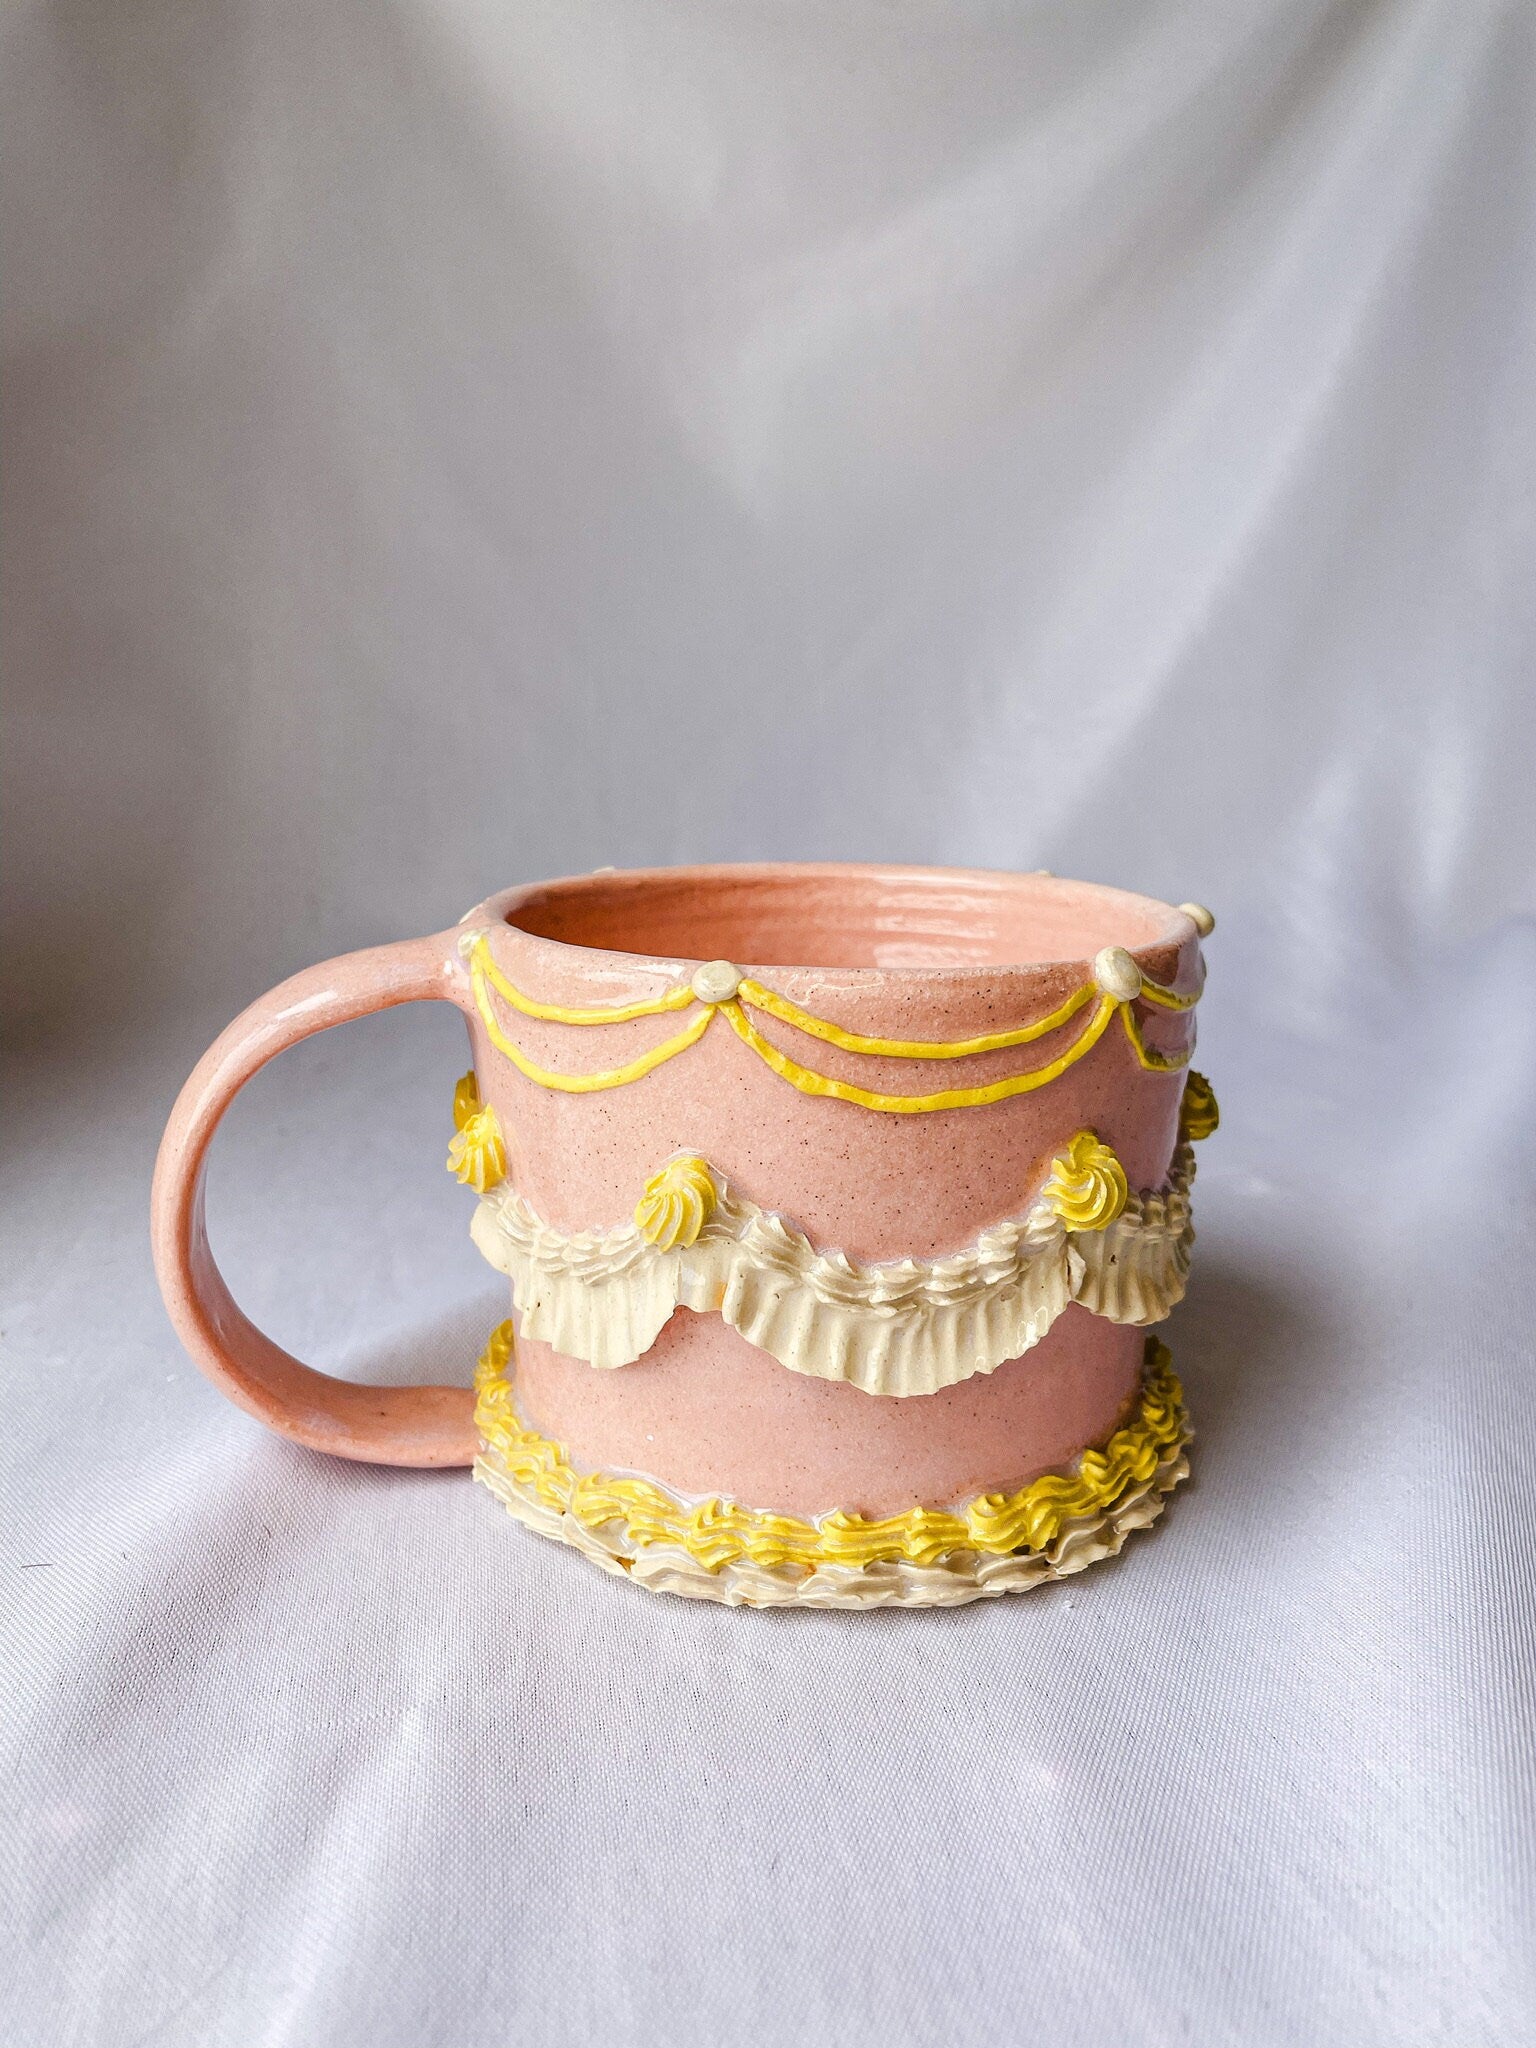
[639,1529]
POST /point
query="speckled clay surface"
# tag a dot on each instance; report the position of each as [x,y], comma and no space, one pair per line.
[896,953]
[710,1413]
[899,953]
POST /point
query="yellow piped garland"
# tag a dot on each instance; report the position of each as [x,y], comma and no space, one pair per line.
[486,976]
[477,1154]
[775,1005]
[716,1532]
[1087,1186]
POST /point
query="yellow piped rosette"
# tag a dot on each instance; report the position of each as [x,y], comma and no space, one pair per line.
[1199,1114]
[477,1154]
[1087,1186]
[676,1203]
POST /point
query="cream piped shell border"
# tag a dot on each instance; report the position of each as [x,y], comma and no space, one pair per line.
[905,1328]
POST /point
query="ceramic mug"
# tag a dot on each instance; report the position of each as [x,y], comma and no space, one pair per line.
[836,1203]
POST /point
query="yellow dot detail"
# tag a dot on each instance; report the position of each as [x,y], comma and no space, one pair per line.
[676,1204]
[1087,1187]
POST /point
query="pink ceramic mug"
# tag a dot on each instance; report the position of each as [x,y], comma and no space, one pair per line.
[832,1279]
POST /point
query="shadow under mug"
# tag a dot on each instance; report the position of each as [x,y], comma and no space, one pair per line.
[836,1203]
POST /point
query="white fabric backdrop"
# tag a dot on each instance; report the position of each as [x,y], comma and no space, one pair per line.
[452,442]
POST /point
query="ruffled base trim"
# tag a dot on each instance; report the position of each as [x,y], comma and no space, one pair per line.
[961,1578]
[714,1550]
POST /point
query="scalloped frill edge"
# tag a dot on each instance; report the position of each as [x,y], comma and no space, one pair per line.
[905,1328]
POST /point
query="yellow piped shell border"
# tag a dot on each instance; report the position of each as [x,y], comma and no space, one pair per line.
[716,1550]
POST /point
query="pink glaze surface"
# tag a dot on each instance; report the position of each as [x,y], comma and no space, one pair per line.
[904,953]
[894,953]
[874,1185]
[714,1415]
[379,1425]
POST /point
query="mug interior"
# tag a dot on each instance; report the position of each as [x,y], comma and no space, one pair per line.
[823,915]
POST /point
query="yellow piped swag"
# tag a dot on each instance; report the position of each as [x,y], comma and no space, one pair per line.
[716,1533]
[732,995]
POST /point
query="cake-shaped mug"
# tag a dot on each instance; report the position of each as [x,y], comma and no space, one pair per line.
[837,1204]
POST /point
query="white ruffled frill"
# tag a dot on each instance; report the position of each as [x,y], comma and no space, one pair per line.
[908,1327]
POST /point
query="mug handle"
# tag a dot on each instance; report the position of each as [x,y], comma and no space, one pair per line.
[376,1425]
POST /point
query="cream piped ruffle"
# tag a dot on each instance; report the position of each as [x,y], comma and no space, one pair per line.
[904,1328]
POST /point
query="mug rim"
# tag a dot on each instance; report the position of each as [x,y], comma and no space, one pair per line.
[1156,951]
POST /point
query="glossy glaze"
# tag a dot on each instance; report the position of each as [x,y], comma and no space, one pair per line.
[898,953]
